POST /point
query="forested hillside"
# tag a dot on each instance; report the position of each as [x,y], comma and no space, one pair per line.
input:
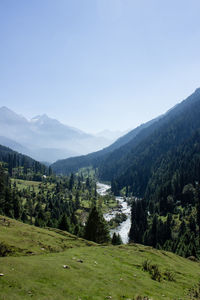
[29,192]
[169,153]
[22,166]
[73,164]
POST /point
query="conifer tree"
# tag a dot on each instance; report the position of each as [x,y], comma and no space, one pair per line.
[96,228]
[116,239]
[154,231]
[71,182]
[64,223]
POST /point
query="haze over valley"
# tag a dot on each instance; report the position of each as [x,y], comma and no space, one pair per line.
[46,139]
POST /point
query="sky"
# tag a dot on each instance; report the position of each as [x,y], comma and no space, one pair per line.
[98,64]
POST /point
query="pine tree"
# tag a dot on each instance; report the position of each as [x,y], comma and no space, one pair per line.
[64,223]
[133,234]
[116,239]
[168,227]
[96,228]
[77,200]
[87,183]
[71,182]
[154,231]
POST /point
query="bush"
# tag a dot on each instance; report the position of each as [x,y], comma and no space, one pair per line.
[116,239]
[155,273]
[194,292]
[169,275]
[5,250]
[153,270]
[146,265]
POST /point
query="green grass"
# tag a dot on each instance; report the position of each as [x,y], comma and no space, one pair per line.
[106,271]
[32,185]
[24,184]
[26,239]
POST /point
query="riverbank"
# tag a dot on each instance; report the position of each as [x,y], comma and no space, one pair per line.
[122,207]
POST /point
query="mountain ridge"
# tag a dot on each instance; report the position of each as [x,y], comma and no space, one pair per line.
[43,132]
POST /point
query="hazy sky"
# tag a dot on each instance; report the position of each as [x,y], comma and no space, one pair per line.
[97,64]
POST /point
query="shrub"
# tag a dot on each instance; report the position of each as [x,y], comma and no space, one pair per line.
[156,273]
[5,250]
[153,270]
[146,265]
[169,275]
[194,292]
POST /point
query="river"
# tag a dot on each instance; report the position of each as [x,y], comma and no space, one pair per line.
[124,227]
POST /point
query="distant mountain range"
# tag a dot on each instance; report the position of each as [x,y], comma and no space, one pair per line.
[46,139]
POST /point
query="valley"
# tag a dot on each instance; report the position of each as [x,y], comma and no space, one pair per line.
[134,236]
[99,150]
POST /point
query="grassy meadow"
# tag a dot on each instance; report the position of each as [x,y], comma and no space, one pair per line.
[52,264]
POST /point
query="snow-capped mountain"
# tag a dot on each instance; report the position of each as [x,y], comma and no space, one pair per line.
[45,138]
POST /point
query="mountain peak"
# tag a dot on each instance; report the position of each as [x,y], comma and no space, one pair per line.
[40,118]
[9,115]
[6,109]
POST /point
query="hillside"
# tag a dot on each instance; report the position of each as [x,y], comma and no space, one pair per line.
[24,239]
[173,134]
[73,164]
[20,165]
[97,272]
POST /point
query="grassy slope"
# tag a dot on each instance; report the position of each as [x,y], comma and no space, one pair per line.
[105,271]
[25,239]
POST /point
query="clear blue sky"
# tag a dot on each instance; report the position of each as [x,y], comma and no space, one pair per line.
[97,64]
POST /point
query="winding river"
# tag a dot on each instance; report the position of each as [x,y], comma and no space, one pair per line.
[124,227]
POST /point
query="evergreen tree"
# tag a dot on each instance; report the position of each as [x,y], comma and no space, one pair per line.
[138,221]
[154,231]
[77,200]
[96,228]
[87,183]
[71,182]
[116,239]
[133,234]
[168,227]
[64,223]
